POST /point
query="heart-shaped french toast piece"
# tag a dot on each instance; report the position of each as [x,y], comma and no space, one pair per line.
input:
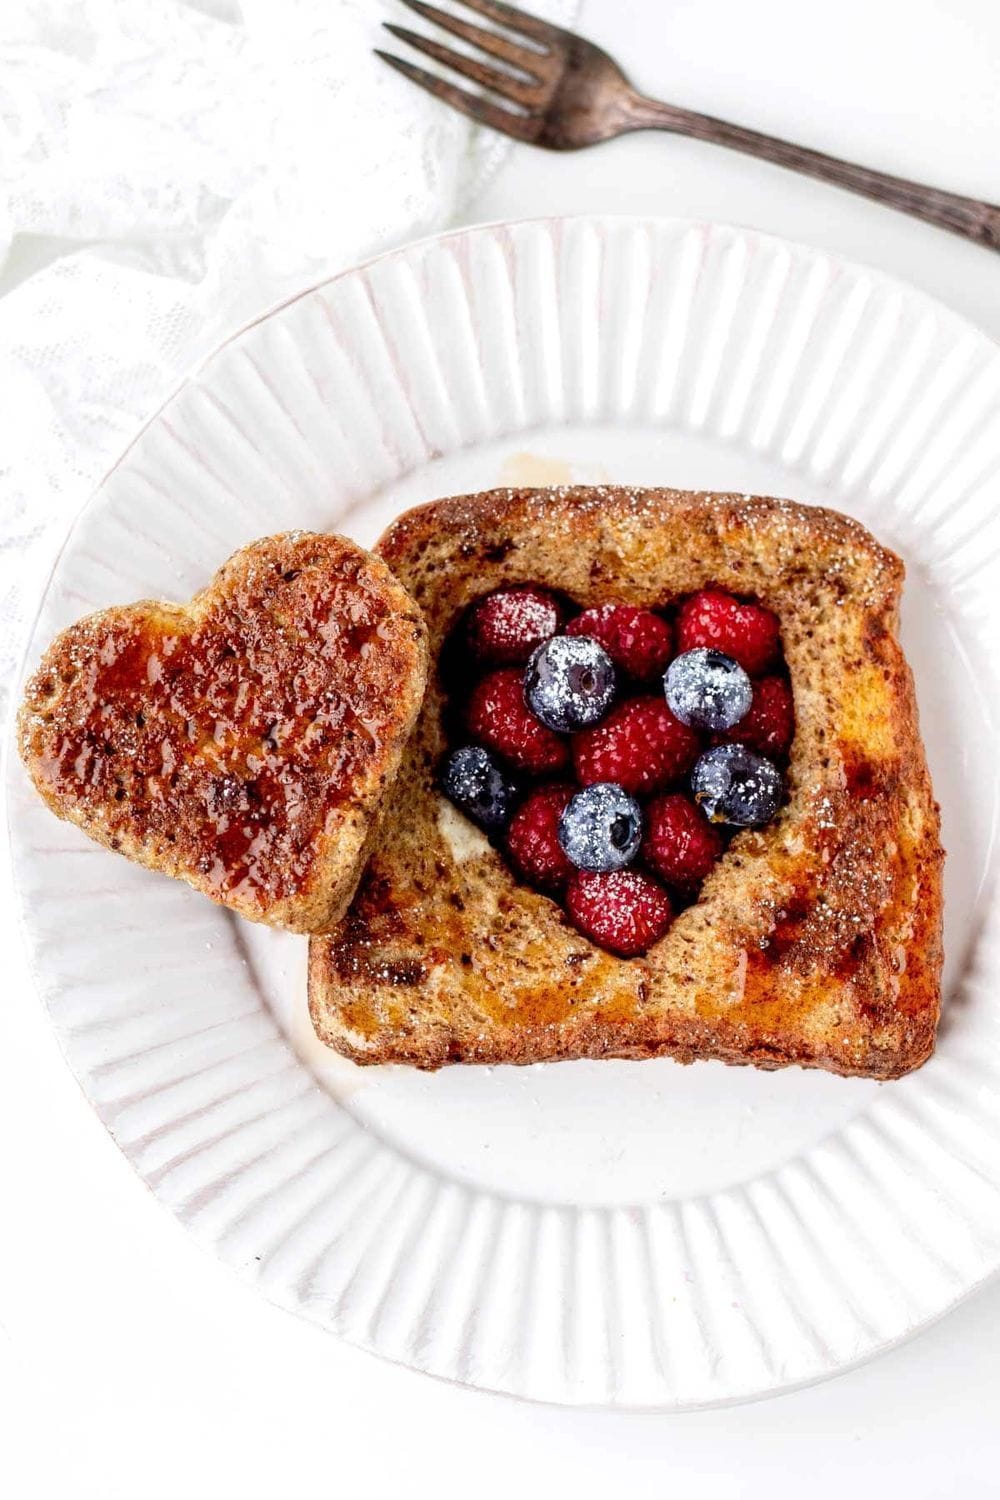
[242,742]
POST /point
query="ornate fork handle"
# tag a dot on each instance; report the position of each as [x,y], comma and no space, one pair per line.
[976,220]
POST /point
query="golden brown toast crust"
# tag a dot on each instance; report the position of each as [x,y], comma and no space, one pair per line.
[242,742]
[816,940]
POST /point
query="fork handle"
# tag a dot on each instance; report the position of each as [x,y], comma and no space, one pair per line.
[966,216]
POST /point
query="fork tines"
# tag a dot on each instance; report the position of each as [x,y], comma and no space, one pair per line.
[522,82]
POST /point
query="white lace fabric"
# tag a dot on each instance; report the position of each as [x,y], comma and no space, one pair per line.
[179,166]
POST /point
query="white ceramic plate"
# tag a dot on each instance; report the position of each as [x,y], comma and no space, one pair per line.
[625,1233]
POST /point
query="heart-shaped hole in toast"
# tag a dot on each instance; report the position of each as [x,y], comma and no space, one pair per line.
[242,742]
[587,742]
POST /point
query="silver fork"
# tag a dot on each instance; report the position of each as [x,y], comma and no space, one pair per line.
[562,92]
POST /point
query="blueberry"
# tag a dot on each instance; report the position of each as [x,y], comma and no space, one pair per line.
[476,782]
[736,785]
[601,828]
[569,682]
[707,689]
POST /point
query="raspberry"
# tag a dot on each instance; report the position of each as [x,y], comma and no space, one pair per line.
[533,838]
[637,641]
[769,724]
[505,627]
[640,745]
[748,633]
[498,717]
[625,910]
[681,846]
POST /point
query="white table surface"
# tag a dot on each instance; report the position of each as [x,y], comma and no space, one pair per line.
[131,1363]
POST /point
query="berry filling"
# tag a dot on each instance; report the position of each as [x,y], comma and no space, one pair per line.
[665,729]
